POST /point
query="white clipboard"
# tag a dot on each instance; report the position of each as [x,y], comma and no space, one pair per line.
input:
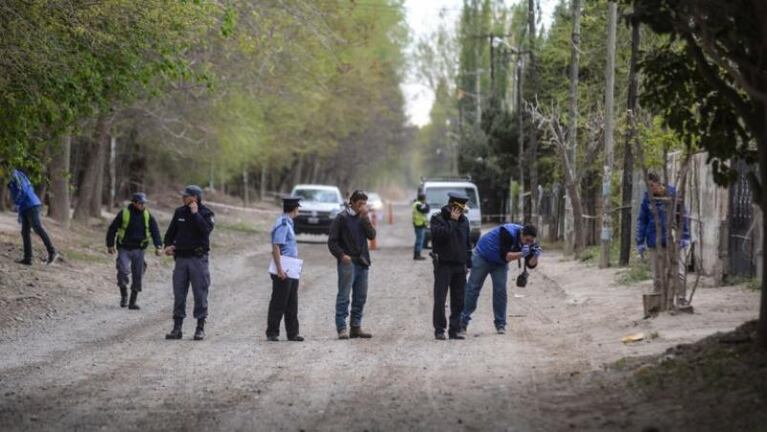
[291,266]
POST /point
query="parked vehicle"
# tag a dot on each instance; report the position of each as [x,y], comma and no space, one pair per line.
[319,206]
[436,191]
[375,202]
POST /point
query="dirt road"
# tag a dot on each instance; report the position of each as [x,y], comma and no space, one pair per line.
[111,369]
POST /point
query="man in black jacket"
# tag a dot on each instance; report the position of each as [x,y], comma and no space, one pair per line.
[133,228]
[451,252]
[188,241]
[348,242]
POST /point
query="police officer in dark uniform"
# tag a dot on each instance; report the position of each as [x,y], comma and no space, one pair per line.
[187,240]
[284,301]
[132,229]
[451,252]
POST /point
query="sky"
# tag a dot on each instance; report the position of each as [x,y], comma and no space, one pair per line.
[423,18]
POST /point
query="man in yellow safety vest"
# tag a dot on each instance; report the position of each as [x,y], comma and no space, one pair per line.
[132,230]
[420,223]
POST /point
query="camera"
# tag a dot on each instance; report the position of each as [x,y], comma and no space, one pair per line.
[522,279]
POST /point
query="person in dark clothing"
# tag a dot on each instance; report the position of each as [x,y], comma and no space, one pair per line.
[348,242]
[497,248]
[284,301]
[188,241]
[451,251]
[133,228]
[28,205]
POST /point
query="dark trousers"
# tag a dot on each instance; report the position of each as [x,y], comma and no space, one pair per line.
[284,302]
[191,271]
[30,220]
[448,278]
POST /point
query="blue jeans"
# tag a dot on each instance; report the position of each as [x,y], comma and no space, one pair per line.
[480,268]
[420,235]
[352,279]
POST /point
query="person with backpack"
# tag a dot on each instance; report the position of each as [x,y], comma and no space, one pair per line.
[132,229]
[28,206]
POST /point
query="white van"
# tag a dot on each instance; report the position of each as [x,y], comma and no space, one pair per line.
[436,191]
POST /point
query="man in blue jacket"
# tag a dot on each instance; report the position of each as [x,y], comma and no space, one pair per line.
[663,197]
[28,206]
[497,248]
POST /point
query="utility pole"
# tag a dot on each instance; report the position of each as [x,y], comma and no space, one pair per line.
[572,127]
[521,149]
[477,87]
[606,237]
[533,134]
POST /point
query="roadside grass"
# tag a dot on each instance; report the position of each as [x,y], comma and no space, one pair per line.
[637,271]
[754,284]
[85,256]
[238,227]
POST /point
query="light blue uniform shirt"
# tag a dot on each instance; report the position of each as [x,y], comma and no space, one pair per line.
[284,236]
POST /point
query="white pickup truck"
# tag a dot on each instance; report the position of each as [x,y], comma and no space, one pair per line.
[436,190]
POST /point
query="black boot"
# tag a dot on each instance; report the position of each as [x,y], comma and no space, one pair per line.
[132,304]
[123,297]
[199,333]
[176,332]
[418,257]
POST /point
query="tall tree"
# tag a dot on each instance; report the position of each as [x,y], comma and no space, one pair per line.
[573,226]
[628,154]
[60,180]
[606,236]
[714,62]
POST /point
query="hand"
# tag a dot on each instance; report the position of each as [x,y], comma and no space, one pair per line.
[170,250]
[193,207]
[512,256]
[158,251]
[281,274]
[111,250]
[526,251]
[640,249]
[684,244]
[346,259]
[536,250]
[364,212]
[455,213]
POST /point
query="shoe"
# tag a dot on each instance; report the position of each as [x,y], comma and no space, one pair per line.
[418,257]
[358,333]
[440,336]
[24,261]
[52,258]
[123,297]
[343,334]
[176,332]
[272,338]
[298,338]
[199,332]
[501,330]
[460,335]
[132,303]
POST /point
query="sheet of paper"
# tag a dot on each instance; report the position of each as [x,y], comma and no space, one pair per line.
[291,266]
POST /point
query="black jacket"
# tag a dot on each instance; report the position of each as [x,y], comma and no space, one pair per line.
[190,233]
[343,241]
[450,238]
[136,231]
